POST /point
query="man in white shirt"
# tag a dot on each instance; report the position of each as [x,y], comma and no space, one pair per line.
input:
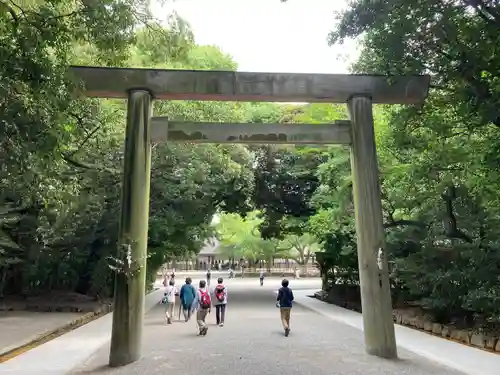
[169,301]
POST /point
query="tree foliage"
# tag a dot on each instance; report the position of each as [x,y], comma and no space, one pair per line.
[61,155]
[438,162]
[241,240]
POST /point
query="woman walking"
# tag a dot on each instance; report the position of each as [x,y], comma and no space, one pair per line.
[187,297]
[169,301]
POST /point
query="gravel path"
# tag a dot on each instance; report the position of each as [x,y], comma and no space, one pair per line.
[252,343]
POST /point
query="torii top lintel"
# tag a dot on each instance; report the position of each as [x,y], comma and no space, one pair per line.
[101,82]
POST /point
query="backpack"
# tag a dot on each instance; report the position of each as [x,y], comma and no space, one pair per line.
[220,292]
[205,302]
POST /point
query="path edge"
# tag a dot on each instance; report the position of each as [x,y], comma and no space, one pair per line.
[38,339]
[437,357]
[54,333]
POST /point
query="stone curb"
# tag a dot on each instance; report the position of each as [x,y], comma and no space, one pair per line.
[50,334]
[55,332]
[474,339]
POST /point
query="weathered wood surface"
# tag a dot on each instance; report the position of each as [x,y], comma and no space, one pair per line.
[175,131]
[376,304]
[245,86]
[128,314]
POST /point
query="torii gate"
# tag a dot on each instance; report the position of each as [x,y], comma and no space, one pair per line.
[141,86]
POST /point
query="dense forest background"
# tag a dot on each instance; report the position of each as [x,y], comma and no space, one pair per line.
[61,156]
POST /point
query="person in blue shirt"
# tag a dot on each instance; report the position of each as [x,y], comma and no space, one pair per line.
[187,297]
[284,302]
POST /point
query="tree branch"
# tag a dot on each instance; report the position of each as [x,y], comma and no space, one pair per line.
[86,139]
[441,88]
[11,11]
[487,13]
[451,228]
[83,165]
[402,222]
[391,223]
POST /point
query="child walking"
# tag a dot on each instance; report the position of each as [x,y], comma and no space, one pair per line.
[284,302]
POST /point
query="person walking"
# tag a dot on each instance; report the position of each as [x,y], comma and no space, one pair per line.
[209,276]
[220,301]
[172,275]
[187,296]
[284,302]
[261,277]
[204,306]
[169,301]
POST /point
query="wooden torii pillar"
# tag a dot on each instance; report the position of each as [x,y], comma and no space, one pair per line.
[140,86]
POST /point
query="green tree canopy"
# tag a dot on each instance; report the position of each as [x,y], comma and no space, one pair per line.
[61,155]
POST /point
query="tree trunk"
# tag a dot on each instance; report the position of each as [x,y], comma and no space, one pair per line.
[303,269]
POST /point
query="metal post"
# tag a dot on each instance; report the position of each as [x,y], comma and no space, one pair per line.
[376,302]
[130,285]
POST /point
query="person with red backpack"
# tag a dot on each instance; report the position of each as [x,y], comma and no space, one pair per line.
[204,307]
[220,294]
